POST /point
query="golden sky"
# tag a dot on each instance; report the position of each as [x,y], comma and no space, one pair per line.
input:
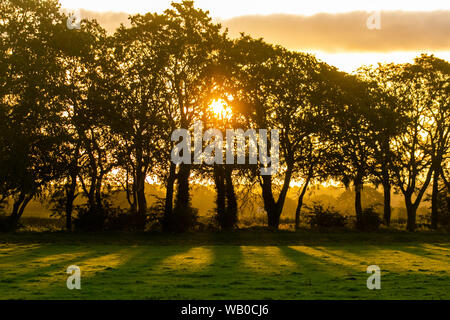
[233,8]
[335,30]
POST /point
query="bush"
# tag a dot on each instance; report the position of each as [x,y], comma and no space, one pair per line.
[444,210]
[4,219]
[182,219]
[444,218]
[108,218]
[369,221]
[89,219]
[120,220]
[5,224]
[321,217]
[155,217]
[42,224]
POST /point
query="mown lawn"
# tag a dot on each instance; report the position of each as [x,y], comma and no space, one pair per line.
[239,265]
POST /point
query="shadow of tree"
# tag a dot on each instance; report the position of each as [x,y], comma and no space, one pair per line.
[220,272]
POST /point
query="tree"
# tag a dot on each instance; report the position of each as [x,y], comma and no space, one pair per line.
[134,97]
[412,160]
[351,134]
[387,121]
[430,78]
[193,42]
[81,49]
[30,99]
[278,89]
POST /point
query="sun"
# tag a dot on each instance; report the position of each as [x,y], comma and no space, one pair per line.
[221,109]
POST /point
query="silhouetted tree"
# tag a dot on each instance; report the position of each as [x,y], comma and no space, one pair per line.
[430,78]
[30,99]
[351,134]
[277,89]
[412,161]
[387,121]
[133,99]
[193,42]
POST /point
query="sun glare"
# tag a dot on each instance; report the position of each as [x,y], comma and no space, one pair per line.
[221,109]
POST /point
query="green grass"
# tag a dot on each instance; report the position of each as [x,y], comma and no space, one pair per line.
[238,265]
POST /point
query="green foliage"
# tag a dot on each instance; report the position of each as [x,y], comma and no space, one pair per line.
[123,220]
[321,217]
[182,219]
[89,219]
[444,209]
[370,220]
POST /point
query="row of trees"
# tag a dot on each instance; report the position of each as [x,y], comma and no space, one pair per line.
[84,113]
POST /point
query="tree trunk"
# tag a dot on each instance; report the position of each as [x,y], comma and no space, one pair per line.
[387,198]
[300,204]
[18,209]
[434,200]
[232,206]
[70,198]
[274,217]
[183,197]
[168,206]
[220,198]
[98,193]
[272,207]
[91,194]
[411,212]
[358,204]
[269,202]
[141,200]
[386,181]
[140,175]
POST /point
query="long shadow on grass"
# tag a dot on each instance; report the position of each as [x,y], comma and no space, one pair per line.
[141,276]
[425,253]
[37,266]
[395,285]
[197,272]
[184,272]
[43,274]
[319,278]
[224,276]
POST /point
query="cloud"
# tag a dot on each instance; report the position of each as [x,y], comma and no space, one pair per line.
[343,32]
[400,31]
[108,20]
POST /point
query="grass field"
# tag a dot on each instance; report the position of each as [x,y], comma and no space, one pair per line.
[238,265]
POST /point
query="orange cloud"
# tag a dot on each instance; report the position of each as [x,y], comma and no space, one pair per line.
[343,32]
[400,31]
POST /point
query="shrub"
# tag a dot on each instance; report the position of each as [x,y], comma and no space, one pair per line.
[444,220]
[155,218]
[369,221]
[399,221]
[89,219]
[4,219]
[182,219]
[444,209]
[321,217]
[120,220]
[227,220]
[5,224]
[42,224]
[444,217]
